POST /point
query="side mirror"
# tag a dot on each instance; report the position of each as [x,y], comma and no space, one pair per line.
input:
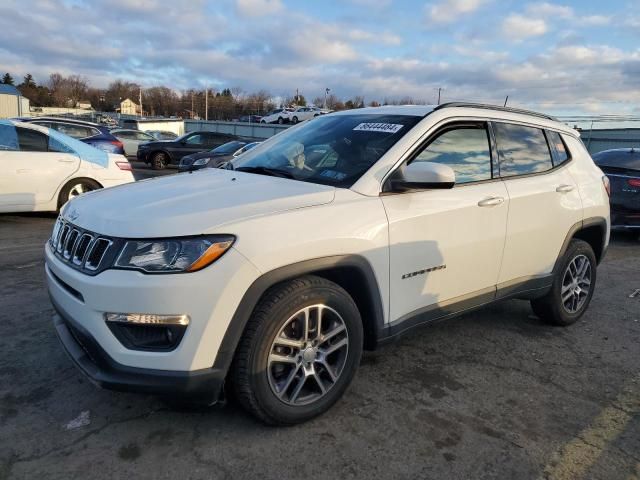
[423,176]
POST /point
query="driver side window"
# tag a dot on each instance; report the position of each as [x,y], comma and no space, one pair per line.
[194,140]
[466,149]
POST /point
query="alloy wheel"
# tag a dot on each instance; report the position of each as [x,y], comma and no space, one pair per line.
[576,284]
[308,355]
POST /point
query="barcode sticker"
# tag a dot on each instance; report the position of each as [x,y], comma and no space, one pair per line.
[378,127]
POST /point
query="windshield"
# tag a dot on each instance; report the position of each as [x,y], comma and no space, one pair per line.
[331,150]
[228,147]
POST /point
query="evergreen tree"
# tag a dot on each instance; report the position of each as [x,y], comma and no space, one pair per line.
[7,79]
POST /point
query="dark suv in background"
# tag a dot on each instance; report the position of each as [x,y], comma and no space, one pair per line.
[93,134]
[163,153]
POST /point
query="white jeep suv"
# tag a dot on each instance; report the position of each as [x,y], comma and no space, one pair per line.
[271,276]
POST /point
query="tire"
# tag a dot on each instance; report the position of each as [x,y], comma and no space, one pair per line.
[159,161]
[262,121]
[256,378]
[567,281]
[76,187]
[294,120]
[280,120]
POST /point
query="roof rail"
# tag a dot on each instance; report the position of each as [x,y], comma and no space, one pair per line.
[496,107]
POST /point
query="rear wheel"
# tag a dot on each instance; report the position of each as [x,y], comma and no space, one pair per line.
[75,188]
[294,120]
[299,352]
[572,288]
[159,160]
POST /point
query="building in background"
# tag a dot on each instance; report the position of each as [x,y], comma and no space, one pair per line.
[12,103]
[129,107]
[600,139]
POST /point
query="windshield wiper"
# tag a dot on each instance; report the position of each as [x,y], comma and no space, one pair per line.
[274,172]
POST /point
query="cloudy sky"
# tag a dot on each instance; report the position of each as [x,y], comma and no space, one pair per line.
[563,57]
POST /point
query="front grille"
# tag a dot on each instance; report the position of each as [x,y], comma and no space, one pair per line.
[81,249]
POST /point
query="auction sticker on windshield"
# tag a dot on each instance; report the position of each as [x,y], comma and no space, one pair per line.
[378,127]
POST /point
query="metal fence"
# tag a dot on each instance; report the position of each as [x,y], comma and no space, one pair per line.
[240,129]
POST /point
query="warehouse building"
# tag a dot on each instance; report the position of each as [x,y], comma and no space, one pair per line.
[12,103]
[597,140]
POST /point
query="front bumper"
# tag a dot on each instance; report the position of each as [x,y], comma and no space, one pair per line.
[104,371]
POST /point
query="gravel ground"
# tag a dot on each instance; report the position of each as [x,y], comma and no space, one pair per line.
[492,394]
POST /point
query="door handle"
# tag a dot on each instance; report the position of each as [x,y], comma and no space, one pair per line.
[66,160]
[565,188]
[491,202]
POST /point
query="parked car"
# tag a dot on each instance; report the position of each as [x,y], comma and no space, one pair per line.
[162,134]
[93,134]
[277,273]
[169,152]
[131,139]
[41,169]
[279,115]
[622,166]
[250,118]
[216,157]
[301,114]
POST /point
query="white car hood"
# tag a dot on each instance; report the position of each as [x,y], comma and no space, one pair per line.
[190,203]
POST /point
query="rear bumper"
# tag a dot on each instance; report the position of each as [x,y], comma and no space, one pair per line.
[625,218]
[204,385]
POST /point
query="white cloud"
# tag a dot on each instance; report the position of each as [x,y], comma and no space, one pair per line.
[258,8]
[518,27]
[448,11]
[594,20]
[547,10]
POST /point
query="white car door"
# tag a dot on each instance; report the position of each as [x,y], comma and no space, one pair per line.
[446,244]
[544,200]
[34,169]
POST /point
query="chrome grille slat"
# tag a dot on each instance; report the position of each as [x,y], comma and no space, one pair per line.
[79,248]
[80,252]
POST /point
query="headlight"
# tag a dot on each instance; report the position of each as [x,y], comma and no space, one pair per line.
[201,161]
[173,255]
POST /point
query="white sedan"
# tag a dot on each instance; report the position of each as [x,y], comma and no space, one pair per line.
[279,115]
[301,114]
[131,139]
[41,169]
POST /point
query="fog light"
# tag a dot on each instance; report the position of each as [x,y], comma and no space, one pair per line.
[147,318]
[150,332]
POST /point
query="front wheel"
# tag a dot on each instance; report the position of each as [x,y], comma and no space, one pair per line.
[299,352]
[159,160]
[573,286]
[294,120]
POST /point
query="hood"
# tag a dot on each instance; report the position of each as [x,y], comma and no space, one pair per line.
[190,203]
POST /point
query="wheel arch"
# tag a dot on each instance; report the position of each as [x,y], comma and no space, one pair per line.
[592,230]
[68,181]
[352,272]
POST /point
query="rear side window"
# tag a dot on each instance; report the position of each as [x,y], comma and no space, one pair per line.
[74,131]
[32,140]
[523,150]
[465,149]
[558,148]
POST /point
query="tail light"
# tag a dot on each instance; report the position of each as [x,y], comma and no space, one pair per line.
[124,165]
[607,184]
[634,182]
[117,143]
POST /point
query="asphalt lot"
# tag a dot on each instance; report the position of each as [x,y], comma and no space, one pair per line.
[492,394]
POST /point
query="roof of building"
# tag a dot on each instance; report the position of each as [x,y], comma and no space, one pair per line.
[8,89]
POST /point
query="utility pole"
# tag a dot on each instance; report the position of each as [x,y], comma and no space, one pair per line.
[206,103]
[439,94]
[326,92]
[192,111]
[141,114]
